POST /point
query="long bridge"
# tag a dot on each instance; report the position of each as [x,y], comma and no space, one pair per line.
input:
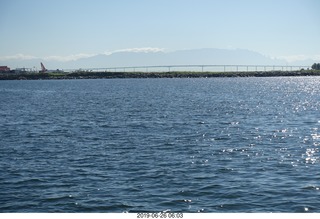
[199,68]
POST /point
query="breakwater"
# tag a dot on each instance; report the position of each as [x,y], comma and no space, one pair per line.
[172,74]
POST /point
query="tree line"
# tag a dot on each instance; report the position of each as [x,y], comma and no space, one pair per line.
[316,66]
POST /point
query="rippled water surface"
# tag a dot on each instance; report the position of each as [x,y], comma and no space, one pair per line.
[131,145]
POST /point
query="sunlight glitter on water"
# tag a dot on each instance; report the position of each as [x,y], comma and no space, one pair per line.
[212,145]
[310,155]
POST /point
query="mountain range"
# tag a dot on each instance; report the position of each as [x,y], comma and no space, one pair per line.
[158,58]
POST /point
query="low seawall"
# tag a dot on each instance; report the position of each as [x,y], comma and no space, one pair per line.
[174,74]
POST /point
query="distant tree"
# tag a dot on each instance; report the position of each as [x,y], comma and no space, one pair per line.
[316,66]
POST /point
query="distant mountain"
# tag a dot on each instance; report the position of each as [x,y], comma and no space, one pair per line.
[220,56]
[180,57]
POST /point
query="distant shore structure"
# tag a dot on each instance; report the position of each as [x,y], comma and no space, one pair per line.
[43,69]
[198,68]
[4,69]
[164,68]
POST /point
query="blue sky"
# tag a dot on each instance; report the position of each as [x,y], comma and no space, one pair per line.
[65,29]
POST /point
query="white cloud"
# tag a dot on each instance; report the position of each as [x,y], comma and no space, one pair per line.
[294,58]
[47,58]
[78,56]
[17,56]
[143,49]
[68,58]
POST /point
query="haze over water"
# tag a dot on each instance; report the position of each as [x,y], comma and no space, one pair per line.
[190,145]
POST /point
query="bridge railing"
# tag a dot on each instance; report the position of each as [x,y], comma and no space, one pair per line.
[198,68]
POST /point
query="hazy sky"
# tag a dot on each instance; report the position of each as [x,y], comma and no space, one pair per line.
[75,28]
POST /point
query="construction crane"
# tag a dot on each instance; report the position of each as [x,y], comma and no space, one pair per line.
[43,69]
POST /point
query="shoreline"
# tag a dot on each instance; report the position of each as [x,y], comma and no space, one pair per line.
[173,74]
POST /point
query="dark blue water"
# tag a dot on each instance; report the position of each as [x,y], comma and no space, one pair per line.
[132,145]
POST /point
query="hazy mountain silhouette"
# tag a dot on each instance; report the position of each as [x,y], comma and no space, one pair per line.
[180,57]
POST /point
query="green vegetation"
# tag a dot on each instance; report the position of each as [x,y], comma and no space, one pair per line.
[172,74]
[316,66]
[57,74]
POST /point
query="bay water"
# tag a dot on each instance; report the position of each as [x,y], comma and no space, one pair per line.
[151,145]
